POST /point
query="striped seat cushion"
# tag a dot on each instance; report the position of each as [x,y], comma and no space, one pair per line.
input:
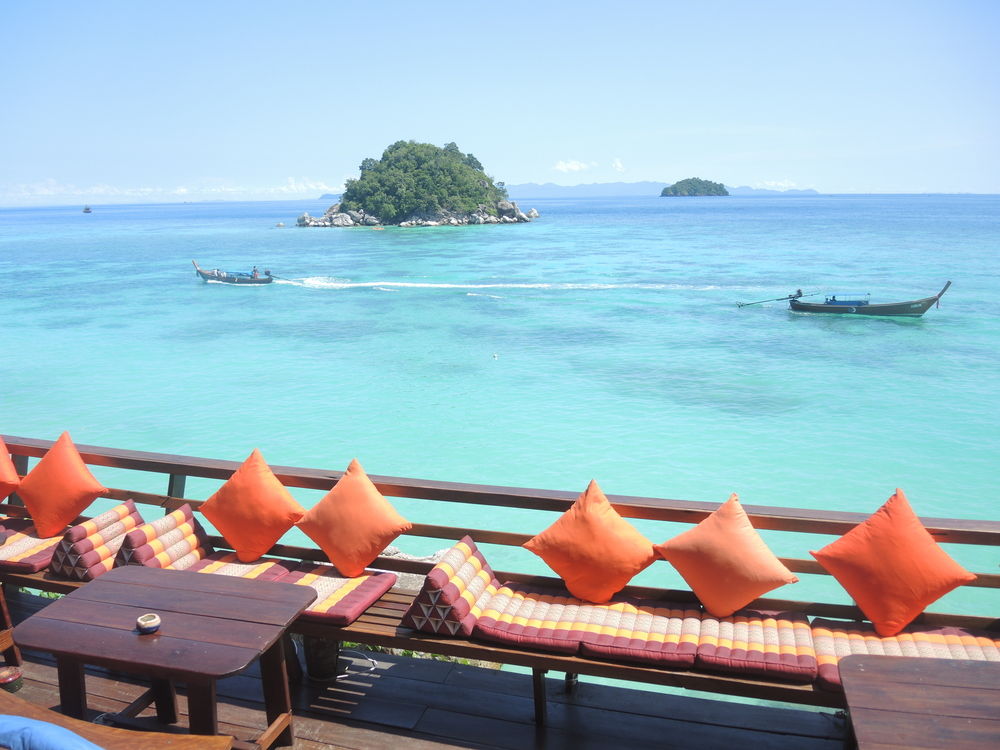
[88,549]
[624,628]
[22,550]
[643,631]
[339,600]
[175,541]
[228,564]
[454,592]
[546,619]
[836,639]
[774,645]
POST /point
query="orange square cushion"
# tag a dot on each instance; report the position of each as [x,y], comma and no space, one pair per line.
[9,479]
[59,488]
[891,566]
[353,523]
[725,561]
[252,510]
[593,549]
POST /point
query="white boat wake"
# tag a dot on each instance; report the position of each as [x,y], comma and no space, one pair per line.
[331,282]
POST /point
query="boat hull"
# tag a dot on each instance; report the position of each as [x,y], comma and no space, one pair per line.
[911,309]
[228,277]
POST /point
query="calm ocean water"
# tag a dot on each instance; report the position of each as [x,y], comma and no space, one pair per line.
[600,341]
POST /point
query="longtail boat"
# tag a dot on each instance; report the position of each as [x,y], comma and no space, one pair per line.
[862,306]
[233,277]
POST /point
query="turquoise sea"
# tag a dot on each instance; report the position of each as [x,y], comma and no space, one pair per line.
[600,341]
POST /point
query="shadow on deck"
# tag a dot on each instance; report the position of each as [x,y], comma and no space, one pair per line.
[437,704]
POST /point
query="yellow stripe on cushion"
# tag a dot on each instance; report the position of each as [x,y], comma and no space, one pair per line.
[307,579]
[258,569]
[43,544]
[216,564]
[336,596]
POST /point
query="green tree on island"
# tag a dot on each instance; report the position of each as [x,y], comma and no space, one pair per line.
[694,186]
[413,179]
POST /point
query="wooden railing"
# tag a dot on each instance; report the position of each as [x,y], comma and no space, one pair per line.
[178,468]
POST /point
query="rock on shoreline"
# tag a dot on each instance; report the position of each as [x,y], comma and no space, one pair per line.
[508,212]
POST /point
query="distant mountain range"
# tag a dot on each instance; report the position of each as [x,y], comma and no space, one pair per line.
[613,189]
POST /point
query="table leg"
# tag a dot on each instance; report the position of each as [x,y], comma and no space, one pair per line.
[277,698]
[203,714]
[166,701]
[72,687]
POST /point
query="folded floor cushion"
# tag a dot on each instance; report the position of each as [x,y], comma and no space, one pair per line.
[88,549]
[339,600]
[174,541]
[454,592]
[835,639]
[774,645]
[21,549]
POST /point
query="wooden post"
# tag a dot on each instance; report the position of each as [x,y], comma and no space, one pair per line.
[571,682]
[538,688]
[11,653]
[72,687]
[175,485]
[21,465]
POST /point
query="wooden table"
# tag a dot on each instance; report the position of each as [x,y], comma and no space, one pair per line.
[906,702]
[212,627]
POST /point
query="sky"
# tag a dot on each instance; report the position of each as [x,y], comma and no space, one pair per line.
[132,102]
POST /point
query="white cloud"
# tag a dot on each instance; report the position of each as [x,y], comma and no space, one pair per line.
[572,165]
[617,165]
[50,190]
[776,185]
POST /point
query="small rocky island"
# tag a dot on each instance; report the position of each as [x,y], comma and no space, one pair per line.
[421,185]
[694,186]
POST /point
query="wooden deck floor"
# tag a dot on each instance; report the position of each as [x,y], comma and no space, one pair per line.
[425,703]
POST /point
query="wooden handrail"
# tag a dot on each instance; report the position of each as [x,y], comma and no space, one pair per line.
[949,530]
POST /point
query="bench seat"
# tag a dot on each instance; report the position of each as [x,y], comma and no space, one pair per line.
[21,549]
[836,639]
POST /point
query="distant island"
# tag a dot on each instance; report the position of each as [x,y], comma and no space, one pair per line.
[419,184]
[694,186]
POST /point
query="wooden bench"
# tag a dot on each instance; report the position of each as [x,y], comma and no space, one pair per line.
[380,625]
[112,738]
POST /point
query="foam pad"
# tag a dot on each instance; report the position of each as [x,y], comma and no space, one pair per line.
[339,600]
[835,639]
[88,549]
[773,645]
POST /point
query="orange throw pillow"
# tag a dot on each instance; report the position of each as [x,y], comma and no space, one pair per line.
[593,549]
[353,522]
[725,561]
[9,479]
[59,488]
[252,510]
[891,566]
